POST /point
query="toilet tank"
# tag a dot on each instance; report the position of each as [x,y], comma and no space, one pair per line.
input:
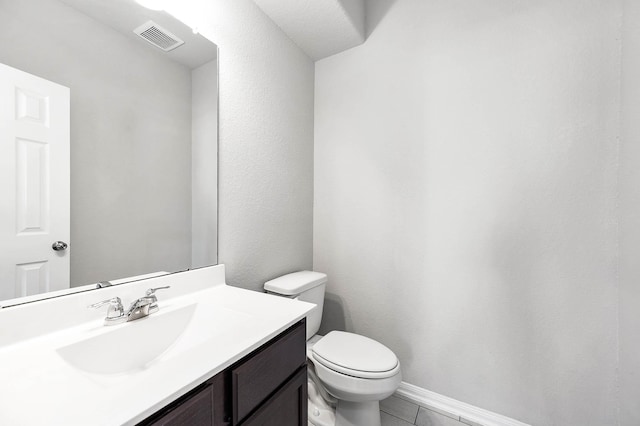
[307,286]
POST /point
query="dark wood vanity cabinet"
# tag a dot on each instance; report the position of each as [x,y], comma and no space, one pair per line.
[195,408]
[267,387]
[287,407]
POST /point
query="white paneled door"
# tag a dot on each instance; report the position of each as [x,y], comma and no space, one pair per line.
[34,184]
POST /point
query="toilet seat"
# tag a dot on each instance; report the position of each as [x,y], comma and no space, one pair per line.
[355,355]
[355,389]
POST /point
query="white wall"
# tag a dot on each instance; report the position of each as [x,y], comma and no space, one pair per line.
[266,141]
[465,199]
[630,219]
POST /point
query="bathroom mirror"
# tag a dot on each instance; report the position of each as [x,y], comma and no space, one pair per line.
[108,146]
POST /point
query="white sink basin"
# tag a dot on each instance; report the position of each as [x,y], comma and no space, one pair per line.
[130,346]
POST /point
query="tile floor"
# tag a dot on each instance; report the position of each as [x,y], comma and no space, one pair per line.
[396,411]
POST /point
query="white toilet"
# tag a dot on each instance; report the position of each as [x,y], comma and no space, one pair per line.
[348,374]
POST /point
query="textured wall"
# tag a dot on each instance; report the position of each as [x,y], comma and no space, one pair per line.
[465,199]
[130,138]
[266,142]
[630,219]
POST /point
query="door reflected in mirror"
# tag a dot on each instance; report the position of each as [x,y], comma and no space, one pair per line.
[108,146]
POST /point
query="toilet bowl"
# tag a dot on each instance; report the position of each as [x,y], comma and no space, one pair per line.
[321,407]
[348,373]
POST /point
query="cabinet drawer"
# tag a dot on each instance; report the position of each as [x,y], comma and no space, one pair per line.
[254,380]
[195,409]
[287,407]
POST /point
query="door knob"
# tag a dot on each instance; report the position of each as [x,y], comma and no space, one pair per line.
[59,246]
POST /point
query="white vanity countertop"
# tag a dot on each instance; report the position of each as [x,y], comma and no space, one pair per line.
[38,386]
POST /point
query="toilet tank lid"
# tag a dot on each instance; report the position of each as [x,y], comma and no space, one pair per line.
[295,283]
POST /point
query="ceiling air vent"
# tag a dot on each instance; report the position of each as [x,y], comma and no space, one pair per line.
[158,36]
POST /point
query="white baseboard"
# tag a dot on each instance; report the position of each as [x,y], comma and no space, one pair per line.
[452,407]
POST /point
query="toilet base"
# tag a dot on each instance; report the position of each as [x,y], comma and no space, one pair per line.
[357,413]
[319,411]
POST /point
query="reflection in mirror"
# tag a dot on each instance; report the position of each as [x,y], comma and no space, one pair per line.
[108,146]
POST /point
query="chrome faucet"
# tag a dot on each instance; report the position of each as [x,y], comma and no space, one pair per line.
[144,306]
[115,313]
[139,308]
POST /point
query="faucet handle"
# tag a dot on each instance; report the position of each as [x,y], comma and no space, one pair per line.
[151,291]
[153,300]
[114,301]
[115,314]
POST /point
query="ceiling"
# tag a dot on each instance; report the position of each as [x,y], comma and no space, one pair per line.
[319,27]
[126,15]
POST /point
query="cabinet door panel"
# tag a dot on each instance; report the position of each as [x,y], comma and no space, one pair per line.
[254,380]
[195,410]
[287,407]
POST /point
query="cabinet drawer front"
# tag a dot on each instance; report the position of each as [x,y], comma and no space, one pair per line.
[254,380]
[196,409]
[287,407]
